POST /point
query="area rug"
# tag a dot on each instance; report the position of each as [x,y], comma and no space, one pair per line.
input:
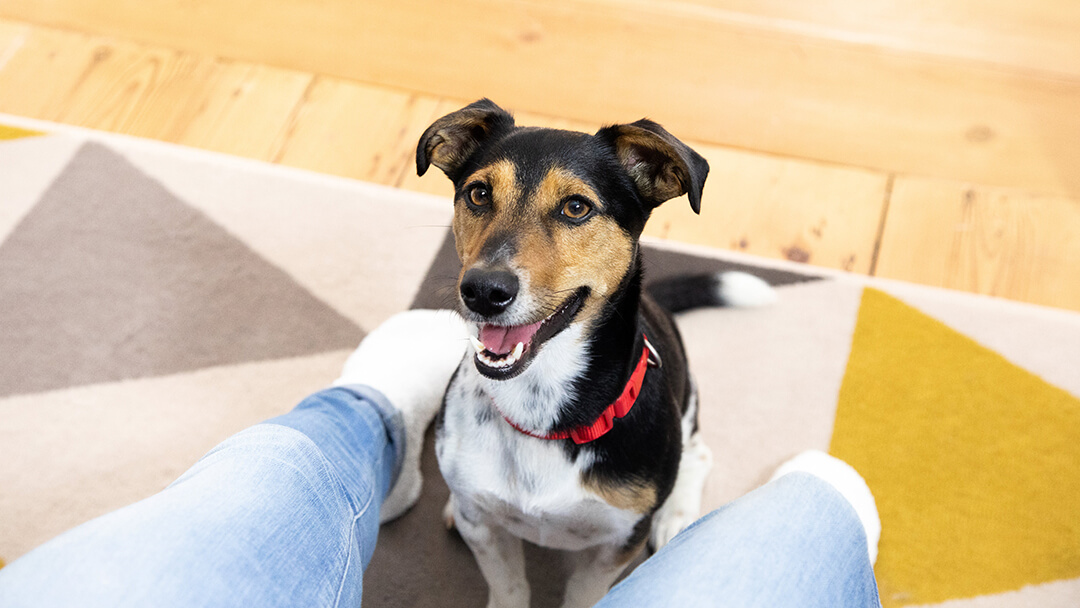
[156,299]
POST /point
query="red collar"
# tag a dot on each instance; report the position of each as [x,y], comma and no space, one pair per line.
[618,409]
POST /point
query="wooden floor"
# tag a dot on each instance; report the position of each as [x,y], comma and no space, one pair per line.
[933,142]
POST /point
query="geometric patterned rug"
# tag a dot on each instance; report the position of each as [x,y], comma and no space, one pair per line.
[156,299]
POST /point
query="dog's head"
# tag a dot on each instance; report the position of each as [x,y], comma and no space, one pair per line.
[546,221]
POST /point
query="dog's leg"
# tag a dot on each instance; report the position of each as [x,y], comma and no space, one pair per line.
[683,505]
[593,571]
[498,553]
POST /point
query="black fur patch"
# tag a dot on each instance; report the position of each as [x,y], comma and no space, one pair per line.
[484,415]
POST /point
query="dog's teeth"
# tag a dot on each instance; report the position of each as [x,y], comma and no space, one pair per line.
[477,344]
[506,361]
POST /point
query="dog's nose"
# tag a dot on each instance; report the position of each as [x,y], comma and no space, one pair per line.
[488,292]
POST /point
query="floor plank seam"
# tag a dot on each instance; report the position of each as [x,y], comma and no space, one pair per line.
[291,121]
[881,224]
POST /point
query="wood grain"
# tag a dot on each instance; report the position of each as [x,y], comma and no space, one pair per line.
[353,130]
[106,84]
[1039,36]
[742,84]
[63,56]
[781,208]
[986,240]
[129,88]
[12,37]
[247,111]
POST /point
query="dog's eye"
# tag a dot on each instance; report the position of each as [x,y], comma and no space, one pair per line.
[479,195]
[576,209]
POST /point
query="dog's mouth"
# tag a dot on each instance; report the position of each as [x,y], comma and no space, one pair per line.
[504,351]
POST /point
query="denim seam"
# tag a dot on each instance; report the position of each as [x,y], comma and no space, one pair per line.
[348,563]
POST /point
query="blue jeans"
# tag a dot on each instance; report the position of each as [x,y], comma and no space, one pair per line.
[286,514]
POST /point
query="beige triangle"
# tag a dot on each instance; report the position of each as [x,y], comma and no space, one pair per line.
[71,455]
[768,380]
[362,248]
[27,168]
[1058,594]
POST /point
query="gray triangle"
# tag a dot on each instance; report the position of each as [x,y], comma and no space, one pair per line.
[111,277]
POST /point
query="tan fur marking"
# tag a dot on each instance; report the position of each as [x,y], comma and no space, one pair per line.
[628,553]
[596,253]
[556,257]
[470,230]
[638,498]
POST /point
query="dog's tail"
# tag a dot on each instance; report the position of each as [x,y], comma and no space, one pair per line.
[732,288]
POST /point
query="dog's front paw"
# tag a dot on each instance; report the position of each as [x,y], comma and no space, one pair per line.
[667,527]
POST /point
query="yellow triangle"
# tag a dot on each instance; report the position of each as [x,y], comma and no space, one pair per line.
[974,462]
[7,132]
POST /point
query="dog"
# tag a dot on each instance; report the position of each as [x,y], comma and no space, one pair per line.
[573,425]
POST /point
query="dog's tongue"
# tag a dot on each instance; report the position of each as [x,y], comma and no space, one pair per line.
[502,339]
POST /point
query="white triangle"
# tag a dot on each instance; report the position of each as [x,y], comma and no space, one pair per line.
[28,166]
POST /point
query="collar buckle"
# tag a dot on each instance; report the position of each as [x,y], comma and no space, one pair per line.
[654,356]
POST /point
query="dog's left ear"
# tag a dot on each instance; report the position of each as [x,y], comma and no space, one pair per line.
[661,166]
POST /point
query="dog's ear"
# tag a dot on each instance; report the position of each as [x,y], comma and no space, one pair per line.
[452,139]
[661,166]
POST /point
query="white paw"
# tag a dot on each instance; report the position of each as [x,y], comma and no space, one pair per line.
[666,528]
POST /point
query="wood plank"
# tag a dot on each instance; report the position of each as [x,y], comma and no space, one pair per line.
[1039,35]
[709,79]
[993,241]
[106,84]
[433,182]
[349,129]
[64,56]
[12,37]
[128,88]
[780,208]
[247,110]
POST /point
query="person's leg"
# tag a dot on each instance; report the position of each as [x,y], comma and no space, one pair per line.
[795,542]
[282,514]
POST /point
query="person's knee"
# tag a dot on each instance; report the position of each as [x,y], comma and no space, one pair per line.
[796,509]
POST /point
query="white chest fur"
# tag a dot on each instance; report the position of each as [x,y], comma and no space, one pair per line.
[526,485]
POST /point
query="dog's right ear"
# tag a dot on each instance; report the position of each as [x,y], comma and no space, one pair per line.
[452,139]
